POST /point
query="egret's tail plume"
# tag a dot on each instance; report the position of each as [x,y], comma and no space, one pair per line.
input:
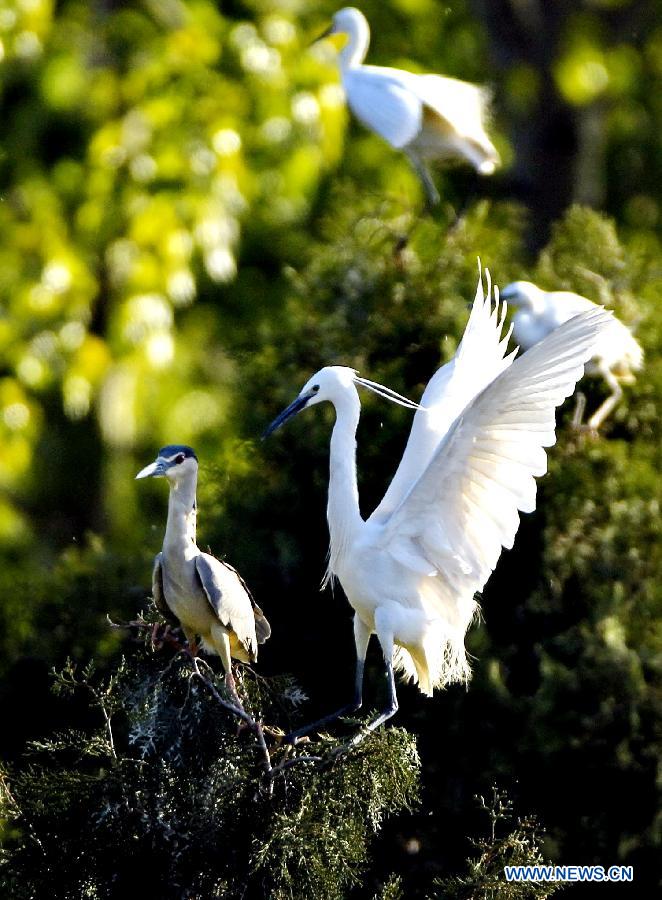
[442,661]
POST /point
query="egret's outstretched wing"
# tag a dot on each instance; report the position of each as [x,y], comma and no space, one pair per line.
[228,598]
[464,106]
[464,508]
[478,361]
[379,98]
[158,593]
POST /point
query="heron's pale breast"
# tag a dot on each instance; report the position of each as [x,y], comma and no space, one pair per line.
[186,598]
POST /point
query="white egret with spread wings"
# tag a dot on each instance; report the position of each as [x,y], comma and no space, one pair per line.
[412,569]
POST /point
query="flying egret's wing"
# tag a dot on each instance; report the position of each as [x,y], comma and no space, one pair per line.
[158,593]
[464,507]
[228,599]
[478,361]
[380,98]
[464,106]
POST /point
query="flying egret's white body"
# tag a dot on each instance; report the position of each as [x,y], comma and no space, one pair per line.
[412,569]
[617,354]
[428,117]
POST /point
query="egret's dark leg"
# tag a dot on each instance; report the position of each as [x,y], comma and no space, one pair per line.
[391,708]
[464,208]
[580,408]
[432,198]
[361,638]
[387,713]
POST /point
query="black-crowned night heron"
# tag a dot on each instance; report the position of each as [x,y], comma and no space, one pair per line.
[617,354]
[193,589]
[428,117]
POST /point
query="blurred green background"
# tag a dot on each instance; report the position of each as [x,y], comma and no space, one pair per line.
[190,225]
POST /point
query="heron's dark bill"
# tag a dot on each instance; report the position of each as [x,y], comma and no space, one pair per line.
[286,414]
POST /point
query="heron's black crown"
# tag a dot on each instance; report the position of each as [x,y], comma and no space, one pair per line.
[173,449]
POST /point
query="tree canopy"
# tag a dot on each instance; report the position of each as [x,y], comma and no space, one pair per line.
[191,224]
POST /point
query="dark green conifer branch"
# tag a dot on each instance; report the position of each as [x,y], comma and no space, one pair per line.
[164,776]
[516,845]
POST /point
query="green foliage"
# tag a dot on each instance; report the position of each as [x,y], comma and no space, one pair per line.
[189,228]
[58,610]
[516,845]
[166,778]
[140,137]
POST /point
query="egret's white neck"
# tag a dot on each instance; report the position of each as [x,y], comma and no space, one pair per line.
[342,512]
[180,527]
[356,48]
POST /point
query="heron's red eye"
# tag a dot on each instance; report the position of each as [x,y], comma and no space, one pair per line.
[180,458]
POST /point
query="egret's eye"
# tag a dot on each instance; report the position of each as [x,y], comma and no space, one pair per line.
[315,388]
[179,459]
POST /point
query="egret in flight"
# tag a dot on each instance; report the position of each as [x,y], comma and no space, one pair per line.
[193,589]
[428,117]
[412,569]
[616,357]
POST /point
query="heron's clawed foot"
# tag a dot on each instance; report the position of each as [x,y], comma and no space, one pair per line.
[160,634]
[164,634]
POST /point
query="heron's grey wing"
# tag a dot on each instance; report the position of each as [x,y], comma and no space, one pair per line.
[262,626]
[479,359]
[464,508]
[158,592]
[228,598]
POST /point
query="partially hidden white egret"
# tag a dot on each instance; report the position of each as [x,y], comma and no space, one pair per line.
[428,117]
[193,589]
[412,569]
[617,354]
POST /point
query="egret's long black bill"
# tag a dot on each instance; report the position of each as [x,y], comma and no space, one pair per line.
[286,414]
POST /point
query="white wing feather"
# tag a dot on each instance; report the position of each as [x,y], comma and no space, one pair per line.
[382,99]
[478,361]
[464,507]
[463,105]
